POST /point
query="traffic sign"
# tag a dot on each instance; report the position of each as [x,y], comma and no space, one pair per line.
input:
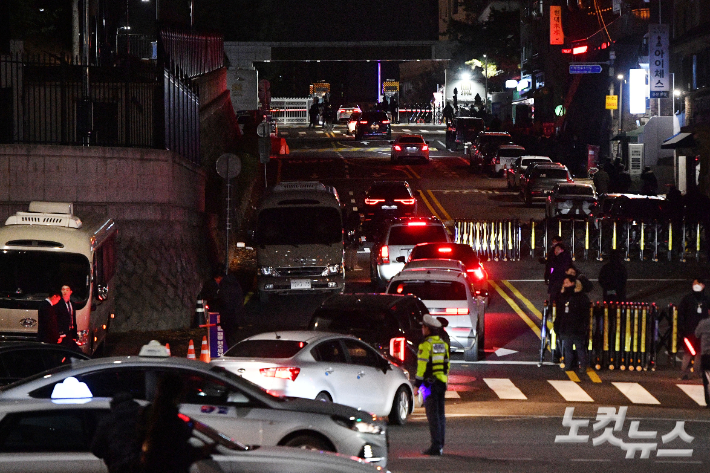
[585,68]
[612,102]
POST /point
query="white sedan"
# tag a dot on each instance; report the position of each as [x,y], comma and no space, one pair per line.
[324,366]
[43,435]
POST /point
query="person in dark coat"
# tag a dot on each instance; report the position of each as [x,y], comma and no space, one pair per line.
[209,293]
[313,114]
[587,285]
[560,263]
[572,323]
[601,181]
[612,278]
[691,310]
[66,318]
[47,330]
[649,183]
[548,261]
[231,308]
[702,331]
[117,440]
[166,447]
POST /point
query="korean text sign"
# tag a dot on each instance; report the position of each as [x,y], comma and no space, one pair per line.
[557,36]
[659,76]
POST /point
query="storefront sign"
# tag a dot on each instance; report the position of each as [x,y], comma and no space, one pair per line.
[612,102]
[557,36]
[659,77]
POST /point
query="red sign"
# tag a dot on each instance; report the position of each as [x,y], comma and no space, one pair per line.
[592,155]
[557,36]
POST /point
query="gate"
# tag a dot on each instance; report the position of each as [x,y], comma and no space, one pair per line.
[291,111]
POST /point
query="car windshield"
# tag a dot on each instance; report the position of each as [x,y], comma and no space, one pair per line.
[510,152]
[530,162]
[495,140]
[411,139]
[466,256]
[374,116]
[360,322]
[470,123]
[411,235]
[550,173]
[576,190]
[30,275]
[299,226]
[266,349]
[431,290]
[389,191]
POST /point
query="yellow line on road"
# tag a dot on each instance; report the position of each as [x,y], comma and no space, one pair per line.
[572,376]
[523,299]
[438,204]
[593,376]
[533,326]
[431,209]
[412,172]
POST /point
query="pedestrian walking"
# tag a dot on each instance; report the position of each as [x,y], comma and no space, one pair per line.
[612,278]
[572,323]
[431,379]
[691,310]
[47,329]
[548,260]
[601,181]
[702,331]
[559,264]
[166,447]
[313,114]
[117,440]
[448,113]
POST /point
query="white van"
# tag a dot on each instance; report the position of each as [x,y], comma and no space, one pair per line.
[299,240]
[49,246]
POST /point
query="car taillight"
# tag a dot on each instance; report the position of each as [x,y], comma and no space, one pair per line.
[363,122]
[397,348]
[445,250]
[373,201]
[478,273]
[416,224]
[281,372]
[497,160]
[385,122]
[425,147]
[569,179]
[385,255]
[397,148]
[406,201]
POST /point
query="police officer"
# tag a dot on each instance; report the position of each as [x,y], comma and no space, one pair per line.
[432,376]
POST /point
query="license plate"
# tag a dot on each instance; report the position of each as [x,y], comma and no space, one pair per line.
[412,150]
[300,283]
[389,207]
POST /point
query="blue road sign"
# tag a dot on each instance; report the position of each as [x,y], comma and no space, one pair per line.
[585,68]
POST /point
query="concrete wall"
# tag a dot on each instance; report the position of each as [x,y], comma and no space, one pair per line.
[157,199]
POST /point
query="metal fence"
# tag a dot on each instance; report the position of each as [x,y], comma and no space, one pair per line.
[190,53]
[291,111]
[512,240]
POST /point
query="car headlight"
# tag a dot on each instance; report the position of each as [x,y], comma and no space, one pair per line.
[359,425]
[268,271]
[331,269]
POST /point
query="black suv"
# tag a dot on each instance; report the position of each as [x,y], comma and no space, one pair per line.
[391,323]
[483,150]
[375,124]
[463,130]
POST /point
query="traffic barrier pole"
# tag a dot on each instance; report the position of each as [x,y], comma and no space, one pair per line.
[544,332]
[683,244]
[655,244]
[501,249]
[586,240]
[605,348]
[642,242]
[617,339]
[697,242]
[559,227]
[590,344]
[626,357]
[572,245]
[510,239]
[654,336]
[532,238]
[670,240]
[636,361]
[613,237]
[544,240]
[644,321]
[628,240]
[674,334]
[553,334]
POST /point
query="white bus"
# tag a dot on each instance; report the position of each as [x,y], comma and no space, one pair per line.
[46,248]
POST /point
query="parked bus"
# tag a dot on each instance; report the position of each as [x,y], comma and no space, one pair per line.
[46,248]
[299,239]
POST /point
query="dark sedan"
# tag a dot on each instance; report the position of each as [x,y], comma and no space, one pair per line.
[21,359]
[373,124]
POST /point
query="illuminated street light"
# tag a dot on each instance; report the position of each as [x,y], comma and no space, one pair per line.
[465,75]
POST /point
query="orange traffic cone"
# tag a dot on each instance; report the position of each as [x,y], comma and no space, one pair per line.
[167,347]
[205,352]
[191,351]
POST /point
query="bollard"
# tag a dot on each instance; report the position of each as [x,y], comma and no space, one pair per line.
[553,335]
[674,333]
[697,242]
[543,334]
[644,357]
[586,240]
[605,347]
[613,237]
[544,240]
[501,254]
[510,239]
[572,245]
[641,242]
[655,243]
[559,227]
[617,339]
[627,338]
[670,240]
[532,238]
[683,242]
[636,362]
[628,240]
[600,225]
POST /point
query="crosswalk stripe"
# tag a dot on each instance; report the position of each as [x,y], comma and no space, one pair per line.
[695,392]
[504,388]
[636,393]
[570,390]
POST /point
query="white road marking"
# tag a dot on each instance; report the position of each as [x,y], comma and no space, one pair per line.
[504,388]
[442,143]
[695,392]
[504,352]
[451,395]
[636,393]
[570,390]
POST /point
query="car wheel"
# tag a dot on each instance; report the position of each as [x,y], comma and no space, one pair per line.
[401,406]
[476,352]
[308,442]
[324,396]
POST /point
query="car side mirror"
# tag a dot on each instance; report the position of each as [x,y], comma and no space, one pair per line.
[400,259]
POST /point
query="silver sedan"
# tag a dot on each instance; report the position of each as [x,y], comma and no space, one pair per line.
[324,366]
[225,402]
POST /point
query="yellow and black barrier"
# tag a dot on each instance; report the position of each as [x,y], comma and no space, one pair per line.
[586,239]
[621,335]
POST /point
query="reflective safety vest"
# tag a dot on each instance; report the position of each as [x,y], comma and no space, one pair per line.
[432,360]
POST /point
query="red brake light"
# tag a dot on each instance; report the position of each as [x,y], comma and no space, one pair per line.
[280,372]
[183,417]
[580,49]
[416,224]
[397,347]
[478,272]
[406,201]
[373,201]
[363,122]
[397,148]
[689,346]
[425,147]
[445,249]
[385,255]
[385,122]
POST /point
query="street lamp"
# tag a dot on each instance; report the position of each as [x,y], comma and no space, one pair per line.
[621,111]
[485,73]
[676,93]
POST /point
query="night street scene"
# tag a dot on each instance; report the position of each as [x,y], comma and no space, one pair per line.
[398,236]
